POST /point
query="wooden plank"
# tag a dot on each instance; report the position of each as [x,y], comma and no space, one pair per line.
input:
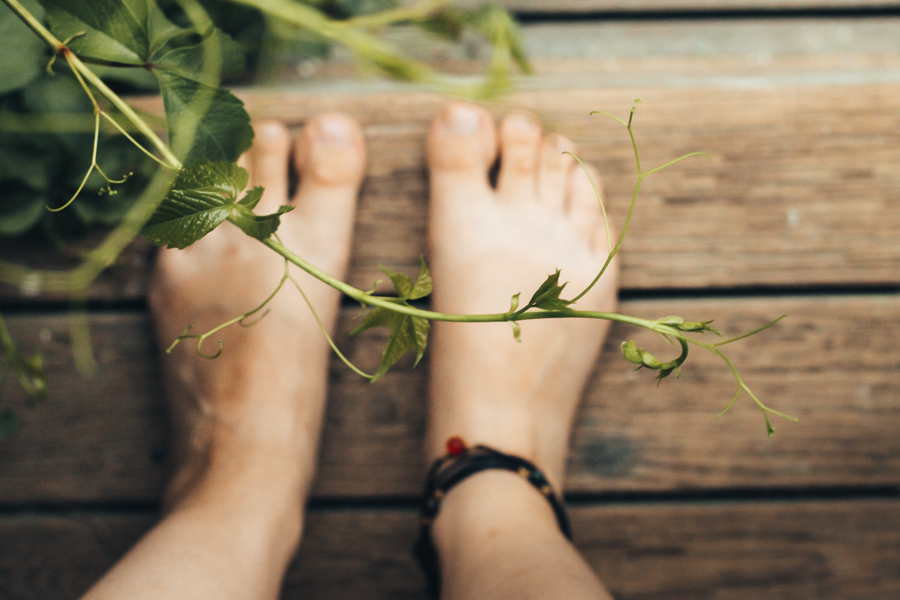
[832,363]
[800,190]
[651,6]
[703,551]
[800,117]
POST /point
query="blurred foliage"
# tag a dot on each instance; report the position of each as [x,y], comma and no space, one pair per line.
[46,122]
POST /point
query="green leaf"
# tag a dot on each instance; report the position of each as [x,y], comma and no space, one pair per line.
[20,209]
[421,329]
[698,326]
[402,340]
[252,198]
[201,197]
[403,284]
[514,303]
[204,122]
[20,48]
[423,284]
[259,226]
[517,331]
[377,317]
[9,424]
[547,296]
[115,30]
[199,59]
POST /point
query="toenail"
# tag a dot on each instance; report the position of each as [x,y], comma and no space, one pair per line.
[462,119]
[522,123]
[269,130]
[334,131]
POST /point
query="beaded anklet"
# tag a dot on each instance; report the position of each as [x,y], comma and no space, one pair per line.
[459,463]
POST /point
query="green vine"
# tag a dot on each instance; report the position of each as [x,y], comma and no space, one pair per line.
[200,186]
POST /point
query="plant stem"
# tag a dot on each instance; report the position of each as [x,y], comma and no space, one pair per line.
[390,304]
[89,75]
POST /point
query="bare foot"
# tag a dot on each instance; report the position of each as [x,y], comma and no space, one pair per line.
[262,400]
[487,245]
[496,536]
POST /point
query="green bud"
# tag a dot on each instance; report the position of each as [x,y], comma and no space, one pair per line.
[650,361]
[671,321]
[632,353]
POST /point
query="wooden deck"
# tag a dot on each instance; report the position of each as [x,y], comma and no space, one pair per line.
[798,212]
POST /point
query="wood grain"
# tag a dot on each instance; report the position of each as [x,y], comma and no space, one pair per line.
[799,116]
[832,363]
[723,551]
[800,190]
[651,6]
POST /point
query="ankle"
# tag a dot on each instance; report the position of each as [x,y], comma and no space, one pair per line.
[490,505]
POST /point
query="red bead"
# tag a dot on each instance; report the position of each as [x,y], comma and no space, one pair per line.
[455,446]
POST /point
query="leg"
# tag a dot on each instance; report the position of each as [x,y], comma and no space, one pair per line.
[496,536]
[248,422]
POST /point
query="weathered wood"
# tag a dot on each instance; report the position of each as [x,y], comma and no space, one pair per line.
[651,6]
[832,363]
[702,551]
[799,116]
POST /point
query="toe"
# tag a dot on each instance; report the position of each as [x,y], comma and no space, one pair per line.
[553,169]
[267,163]
[330,153]
[582,203]
[330,158]
[520,140]
[461,146]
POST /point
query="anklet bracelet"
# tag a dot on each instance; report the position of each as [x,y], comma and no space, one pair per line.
[459,463]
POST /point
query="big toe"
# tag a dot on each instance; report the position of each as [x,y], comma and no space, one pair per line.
[330,157]
[461,147]
[267,164]
[330,153]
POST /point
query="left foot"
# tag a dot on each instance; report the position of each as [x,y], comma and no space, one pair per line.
[264,395]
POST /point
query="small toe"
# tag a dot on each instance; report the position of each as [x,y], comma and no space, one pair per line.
[520,140]
[553,170]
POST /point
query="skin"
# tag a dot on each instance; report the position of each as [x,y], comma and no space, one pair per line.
[247,424]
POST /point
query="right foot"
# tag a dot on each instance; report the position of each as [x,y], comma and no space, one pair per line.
[485,246]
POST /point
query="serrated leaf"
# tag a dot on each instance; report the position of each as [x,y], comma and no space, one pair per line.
[548,284]
[402,340]
[377,317]
[421,329]
[259,226]
[201,197]
[20,48]
[204,122]
[116,30]
[547,296]
[252,198]
[210,59]
[9,424]
[403,284]
[423,284]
